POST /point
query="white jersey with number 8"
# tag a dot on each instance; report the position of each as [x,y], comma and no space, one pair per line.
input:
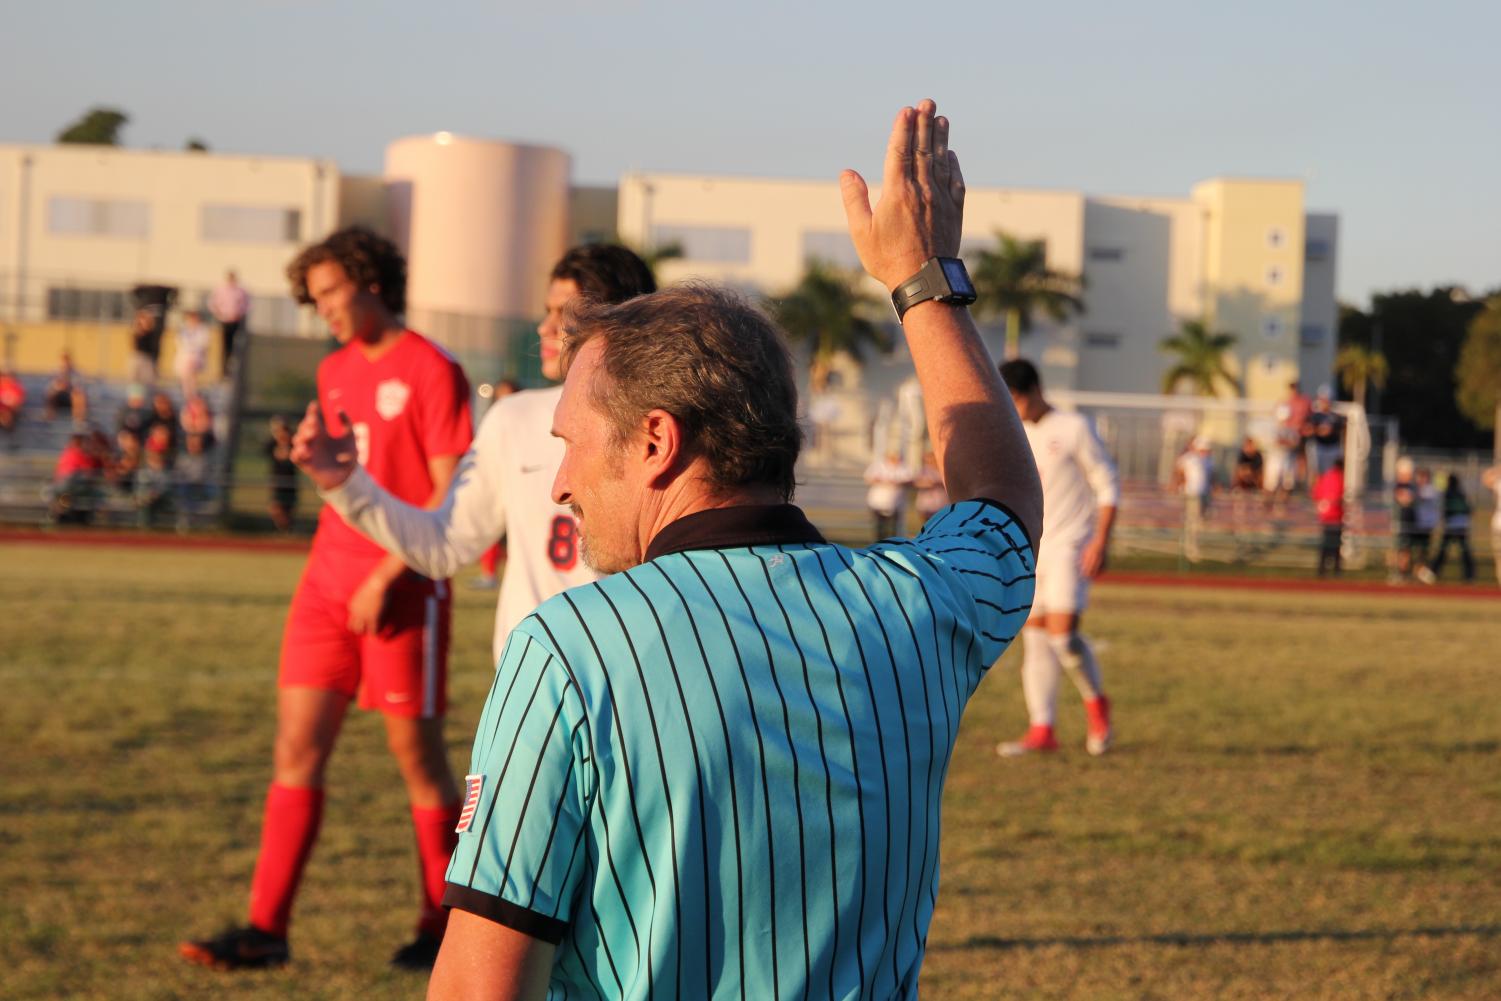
[503,486]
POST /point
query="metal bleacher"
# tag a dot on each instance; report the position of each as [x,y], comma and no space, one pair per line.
[28,456]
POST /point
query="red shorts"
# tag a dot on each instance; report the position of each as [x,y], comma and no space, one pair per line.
[401,670]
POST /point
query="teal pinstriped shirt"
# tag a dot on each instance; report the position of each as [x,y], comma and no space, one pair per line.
[719,774]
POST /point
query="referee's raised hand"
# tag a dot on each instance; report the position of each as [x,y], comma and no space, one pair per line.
[326,459]
[921,209]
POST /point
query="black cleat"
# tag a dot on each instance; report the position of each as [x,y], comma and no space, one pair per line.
[418,954]
[246,948]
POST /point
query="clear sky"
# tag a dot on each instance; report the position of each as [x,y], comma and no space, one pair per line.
[1391,112]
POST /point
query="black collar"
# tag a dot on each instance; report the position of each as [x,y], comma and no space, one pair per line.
[734,527]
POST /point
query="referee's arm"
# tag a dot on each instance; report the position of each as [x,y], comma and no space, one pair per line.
[978,438]
[486,961]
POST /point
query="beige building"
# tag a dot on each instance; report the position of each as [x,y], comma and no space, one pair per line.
[1241,254]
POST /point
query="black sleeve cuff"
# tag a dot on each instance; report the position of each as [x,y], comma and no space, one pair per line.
[501,911]
[1012,515]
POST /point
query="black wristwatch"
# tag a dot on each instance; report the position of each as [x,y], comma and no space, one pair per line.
[942,278]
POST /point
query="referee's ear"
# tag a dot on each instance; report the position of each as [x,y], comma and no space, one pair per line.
[661,444]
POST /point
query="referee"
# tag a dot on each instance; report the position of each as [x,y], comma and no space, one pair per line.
[718,772]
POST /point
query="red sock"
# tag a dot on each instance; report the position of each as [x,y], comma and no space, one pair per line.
[288,832]
[490,559]
[435,841]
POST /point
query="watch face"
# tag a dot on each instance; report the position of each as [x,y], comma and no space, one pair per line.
[958,278]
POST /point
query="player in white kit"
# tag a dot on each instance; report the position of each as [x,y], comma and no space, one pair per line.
[1080,491]
[503,485]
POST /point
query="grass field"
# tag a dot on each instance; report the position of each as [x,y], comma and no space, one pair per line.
[1305,802]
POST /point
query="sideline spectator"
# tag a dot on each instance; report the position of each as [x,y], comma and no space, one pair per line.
[1491,478]
[164,415]
[192,352]
[283,475]
[135,416]
[1329,497]
[1194,476]
[931,495]
[74,493]
[1456,522]
[59,394]
[197,418]
[12,398]
[229,303]
[1425,521]
[193,475]
[154,479]
[887,496]
[122,471]
[1289,465]
[1327,433]
[1404,520]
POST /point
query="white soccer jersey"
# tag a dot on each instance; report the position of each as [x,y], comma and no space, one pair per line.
[1078,477]
[502,486]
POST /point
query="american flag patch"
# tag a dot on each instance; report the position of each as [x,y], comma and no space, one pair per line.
[472,786]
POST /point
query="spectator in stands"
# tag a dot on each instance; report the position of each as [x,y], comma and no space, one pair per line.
[12,399]
[1329,498]
[931,495]
[1289,465]
[164,415]
[1194,477]
[135,416]
[192,352]
[74,493]
[1327,433]
[1404,520]
[283,475]
[193,475]
[887,495]
[197,418]
[145,346]
[1456,523]
[1249,463]
[154,479]
[60,389]
[122,470]
[229,304]
[1491,478]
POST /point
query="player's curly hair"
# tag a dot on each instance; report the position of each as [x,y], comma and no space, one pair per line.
[716,363]
[605,272]
[366,257]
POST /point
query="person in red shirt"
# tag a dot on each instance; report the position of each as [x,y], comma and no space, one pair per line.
[1329,497]
[12,399]
[361,625]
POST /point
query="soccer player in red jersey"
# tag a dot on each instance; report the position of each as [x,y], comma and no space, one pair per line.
[361,624]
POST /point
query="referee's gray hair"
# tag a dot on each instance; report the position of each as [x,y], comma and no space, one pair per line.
[714,361]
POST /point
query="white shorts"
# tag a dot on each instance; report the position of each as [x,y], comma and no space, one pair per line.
[1061,587]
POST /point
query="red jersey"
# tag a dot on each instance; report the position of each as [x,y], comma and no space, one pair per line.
[408,406]
[1329,496]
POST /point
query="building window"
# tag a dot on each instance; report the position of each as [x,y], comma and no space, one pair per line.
[717,244]
[1271,326]
[97,217]
[1316,250]
[1273,276]
[830,246]
[1101,339]
[251,224]
[107,305]
[1107,253]
[1311,335]
[1276,238]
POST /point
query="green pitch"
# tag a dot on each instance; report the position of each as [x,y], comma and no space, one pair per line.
[1305,800]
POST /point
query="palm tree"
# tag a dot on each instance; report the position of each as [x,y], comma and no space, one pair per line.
[826,309]
[1359,366]
[1199,358]
[1014,280]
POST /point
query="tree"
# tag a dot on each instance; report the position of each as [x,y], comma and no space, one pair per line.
[96,127]
[1478,375]
[1013,280]
[1199,358]
[826,309]
[1358,367]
